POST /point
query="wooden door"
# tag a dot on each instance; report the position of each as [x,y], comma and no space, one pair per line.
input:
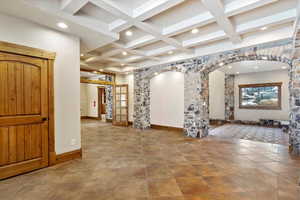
[23,114]
[120,116]
[101,101]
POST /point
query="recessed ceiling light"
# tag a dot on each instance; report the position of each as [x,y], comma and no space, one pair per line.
[221,64]
[283,67]
[128,33]
[95,72]
[124,53]
[195,30]
[122,64]
[264,57]
[101,70]
[263,28]
[237,72]
[62,25]
[229,66]
[81,54]
[155,73]
[170,52]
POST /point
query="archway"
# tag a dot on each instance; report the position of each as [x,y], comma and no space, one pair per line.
[196,86]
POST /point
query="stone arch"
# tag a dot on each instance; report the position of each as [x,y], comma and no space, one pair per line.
[196,72]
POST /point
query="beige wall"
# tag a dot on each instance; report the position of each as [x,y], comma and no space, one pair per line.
[66,74]
[216,95]
[263,77]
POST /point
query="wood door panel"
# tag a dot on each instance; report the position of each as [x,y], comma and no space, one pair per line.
[23,114]
[20,143]
[20,89]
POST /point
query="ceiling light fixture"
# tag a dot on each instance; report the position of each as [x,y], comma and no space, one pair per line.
[237,72]
[264,57]
[263,28]
[62,25]
[195,30]
[101,70]
[124,53]
[155,73]
[170,52]
[221,64]
[95,72]
[128,33]
[229,66]
[283,67]
[122,64]
[81,54]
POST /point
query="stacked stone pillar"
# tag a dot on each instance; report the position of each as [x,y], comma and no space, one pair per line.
[295,107]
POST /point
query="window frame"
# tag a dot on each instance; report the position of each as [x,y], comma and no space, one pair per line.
[277,107]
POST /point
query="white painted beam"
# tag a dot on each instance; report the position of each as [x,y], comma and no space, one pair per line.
[216,8]
[204,39]
[72,6]
[276,19]
[240,6]
[153,7]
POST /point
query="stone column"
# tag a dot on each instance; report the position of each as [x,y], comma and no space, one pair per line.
[295,107]
[229,97]
[196,104]
[141,113]
[109,98]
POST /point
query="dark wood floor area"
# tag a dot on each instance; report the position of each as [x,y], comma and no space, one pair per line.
[124,163]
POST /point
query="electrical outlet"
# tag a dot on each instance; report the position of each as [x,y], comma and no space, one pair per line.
[73,142]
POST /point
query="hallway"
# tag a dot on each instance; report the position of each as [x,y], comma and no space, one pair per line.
[125,163]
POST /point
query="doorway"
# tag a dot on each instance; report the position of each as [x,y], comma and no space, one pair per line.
[101,103]
[26,109]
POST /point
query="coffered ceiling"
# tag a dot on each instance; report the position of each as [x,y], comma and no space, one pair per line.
[121,35]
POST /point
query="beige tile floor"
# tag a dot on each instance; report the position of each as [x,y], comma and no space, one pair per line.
[125,163]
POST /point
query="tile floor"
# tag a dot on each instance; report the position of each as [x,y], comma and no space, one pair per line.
[129,164]
[251,132]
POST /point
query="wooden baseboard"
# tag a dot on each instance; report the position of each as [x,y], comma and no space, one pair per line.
[60,158]
[87,117]
[167,128]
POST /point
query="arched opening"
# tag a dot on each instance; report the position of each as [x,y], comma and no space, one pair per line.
[167,99]
[250,100]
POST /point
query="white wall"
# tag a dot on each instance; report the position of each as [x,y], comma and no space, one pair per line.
[216,95]
[89,95]
[66,74]
[263,77]
[167,99]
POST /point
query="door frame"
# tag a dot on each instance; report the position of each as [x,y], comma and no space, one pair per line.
[100,101]
[12,48]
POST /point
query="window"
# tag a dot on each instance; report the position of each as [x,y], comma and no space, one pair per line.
[260,96]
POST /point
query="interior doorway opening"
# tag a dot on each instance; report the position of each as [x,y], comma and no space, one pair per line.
[250,100]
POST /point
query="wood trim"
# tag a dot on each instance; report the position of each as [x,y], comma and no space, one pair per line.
[88,117]
[51,110]
[167,128]
[64,157]
[278,107]
[98,72]
[82,80]
[27,51]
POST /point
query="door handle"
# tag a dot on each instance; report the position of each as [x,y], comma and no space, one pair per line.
[44,119]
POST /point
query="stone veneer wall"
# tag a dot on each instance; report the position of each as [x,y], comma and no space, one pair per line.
[229,96]
[109,98]
[196,72]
